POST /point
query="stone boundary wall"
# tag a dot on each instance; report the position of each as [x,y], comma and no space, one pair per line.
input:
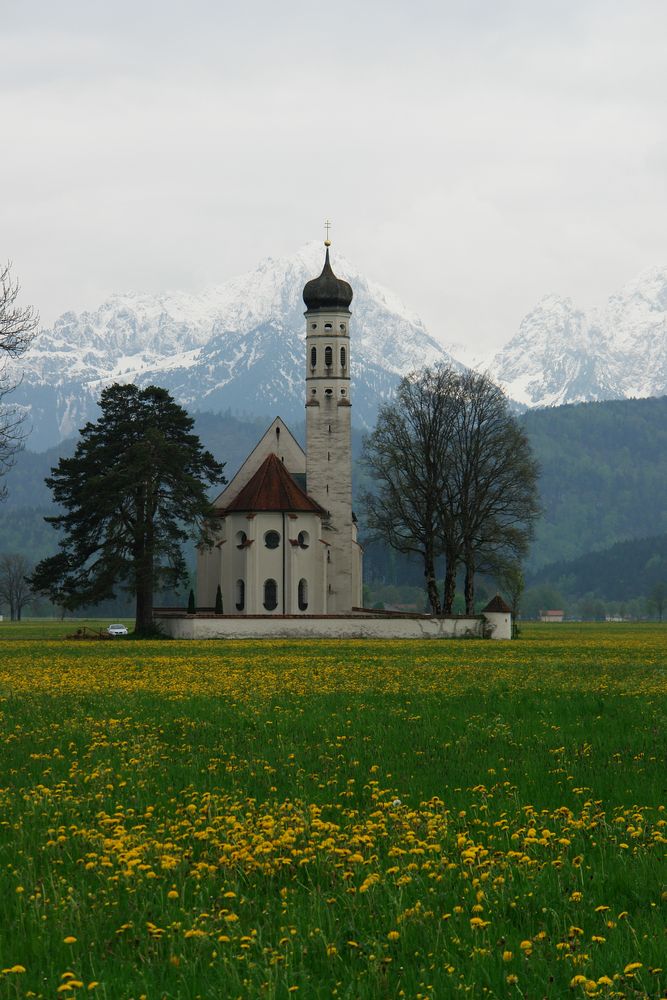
[201,626]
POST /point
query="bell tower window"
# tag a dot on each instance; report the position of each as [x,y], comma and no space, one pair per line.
[313,357]
[328,357]
[343,357]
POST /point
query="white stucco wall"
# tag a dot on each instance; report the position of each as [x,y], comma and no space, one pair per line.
[287,564]
[305,627]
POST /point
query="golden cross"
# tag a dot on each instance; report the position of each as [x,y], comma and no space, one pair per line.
[327,226]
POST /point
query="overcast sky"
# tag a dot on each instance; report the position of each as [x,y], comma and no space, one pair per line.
[473,155]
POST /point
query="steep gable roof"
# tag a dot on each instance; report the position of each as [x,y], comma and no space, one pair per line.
[277,439]
[272,488]
[496,604]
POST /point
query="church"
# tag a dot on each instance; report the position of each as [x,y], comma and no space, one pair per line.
[286,536]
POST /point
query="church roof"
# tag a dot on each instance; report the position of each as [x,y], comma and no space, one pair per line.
[498,605]
[327,291]
[272,488]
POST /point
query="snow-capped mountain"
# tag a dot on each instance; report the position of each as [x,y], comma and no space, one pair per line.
[561,355]
[239,345]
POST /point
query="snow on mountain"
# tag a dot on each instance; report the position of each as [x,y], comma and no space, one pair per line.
[562,355]
[238,345]
[637,320]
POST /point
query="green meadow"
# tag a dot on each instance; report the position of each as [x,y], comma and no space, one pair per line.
[319,819]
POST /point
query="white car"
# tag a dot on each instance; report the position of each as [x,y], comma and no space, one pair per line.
[117,630]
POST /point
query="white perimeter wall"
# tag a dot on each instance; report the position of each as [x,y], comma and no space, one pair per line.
[354,627]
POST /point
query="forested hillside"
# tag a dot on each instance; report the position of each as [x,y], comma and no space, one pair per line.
[619,573]
[604,475]
[604,480]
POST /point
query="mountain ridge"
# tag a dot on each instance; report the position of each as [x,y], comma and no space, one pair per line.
[239,345]
[562,354]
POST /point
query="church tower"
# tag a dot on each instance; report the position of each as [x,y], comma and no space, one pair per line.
[328,431]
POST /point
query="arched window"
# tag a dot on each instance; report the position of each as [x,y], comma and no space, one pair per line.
[303,538]
[343,358]
[328,357]
[240,595]
[272,539]
[313,357]
[303,595]
[241,539]
[270,595]
[328,326]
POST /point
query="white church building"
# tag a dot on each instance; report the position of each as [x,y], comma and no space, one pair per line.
[286,541]
[285,553]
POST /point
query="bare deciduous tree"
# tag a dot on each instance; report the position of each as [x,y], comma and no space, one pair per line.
[493,479]
[454,476]
[406,456]
[18,327]
[15,590]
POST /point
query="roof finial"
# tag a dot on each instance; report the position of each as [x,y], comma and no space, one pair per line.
[327,226]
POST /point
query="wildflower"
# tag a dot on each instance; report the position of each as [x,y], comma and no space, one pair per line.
[70,939]
[172,894]
[391,936]
[508,956]
[632,967]
[511,979]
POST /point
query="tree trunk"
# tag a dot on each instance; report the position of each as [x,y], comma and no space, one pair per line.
[143,624]
[431,582]
[469,586]
[449,588]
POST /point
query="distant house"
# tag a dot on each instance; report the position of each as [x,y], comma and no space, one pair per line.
[551,616]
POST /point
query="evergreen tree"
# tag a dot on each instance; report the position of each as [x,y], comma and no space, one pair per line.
[192,607]
[132,494]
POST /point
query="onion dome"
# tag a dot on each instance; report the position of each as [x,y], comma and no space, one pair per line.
[327,291]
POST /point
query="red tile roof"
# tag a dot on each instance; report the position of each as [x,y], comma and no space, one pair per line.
[272,488]
[496,604]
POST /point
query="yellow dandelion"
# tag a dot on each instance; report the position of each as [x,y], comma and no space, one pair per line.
[508,956]
[70,939]
[392,936]
[632,967]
